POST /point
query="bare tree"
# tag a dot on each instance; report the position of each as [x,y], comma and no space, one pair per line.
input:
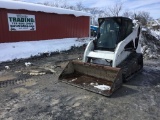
[47,3]
[106,12]
[128,14]
[96,13]
[145,15]
[142,16]
[79,6]
[116,9]
[64,4]
[55,3]
[71,7]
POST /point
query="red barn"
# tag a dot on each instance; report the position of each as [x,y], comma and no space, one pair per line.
[21,21]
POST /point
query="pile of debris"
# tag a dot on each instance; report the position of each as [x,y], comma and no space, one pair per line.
[150,45]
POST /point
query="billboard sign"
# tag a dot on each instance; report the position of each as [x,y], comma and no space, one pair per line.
[21,22]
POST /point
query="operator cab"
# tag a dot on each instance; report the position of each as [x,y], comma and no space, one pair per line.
[111,31]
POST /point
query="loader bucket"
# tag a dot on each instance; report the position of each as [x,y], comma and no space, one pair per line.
[100,79]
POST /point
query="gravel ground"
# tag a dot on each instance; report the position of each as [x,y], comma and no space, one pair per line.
[36,93]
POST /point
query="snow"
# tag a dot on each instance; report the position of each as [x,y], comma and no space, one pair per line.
[7,67]
[156,34]
[103,87]
[18,50]
[73,79]
[134,21]
[144,29]
[17,5]
[27,64]
[157,22]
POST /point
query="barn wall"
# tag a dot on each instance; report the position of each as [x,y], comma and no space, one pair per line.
[48,26]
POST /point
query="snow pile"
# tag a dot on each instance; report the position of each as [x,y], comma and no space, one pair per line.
[150,46]
[18,50]
[17,5]
[156,34]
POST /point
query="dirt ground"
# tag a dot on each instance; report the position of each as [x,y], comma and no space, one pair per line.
[34,93]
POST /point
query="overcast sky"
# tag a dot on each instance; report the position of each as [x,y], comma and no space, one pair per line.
[152,6]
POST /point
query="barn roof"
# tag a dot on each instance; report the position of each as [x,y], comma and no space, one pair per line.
[17,5]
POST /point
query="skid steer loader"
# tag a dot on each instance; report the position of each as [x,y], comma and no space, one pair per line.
[109,60]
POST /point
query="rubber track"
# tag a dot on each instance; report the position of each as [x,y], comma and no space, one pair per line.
[16,81]
[128,62]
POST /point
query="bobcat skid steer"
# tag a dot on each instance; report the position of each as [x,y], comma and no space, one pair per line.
[109,60]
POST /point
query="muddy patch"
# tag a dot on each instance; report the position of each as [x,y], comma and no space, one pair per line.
[21,91]
[30,82]
[4,76]
[7,77]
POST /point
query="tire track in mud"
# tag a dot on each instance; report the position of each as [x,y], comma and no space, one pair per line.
[23,78]
[20,80]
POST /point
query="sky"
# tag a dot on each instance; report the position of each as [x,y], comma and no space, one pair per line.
[151,6]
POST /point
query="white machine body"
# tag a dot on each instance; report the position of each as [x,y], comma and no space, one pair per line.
[113,58]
